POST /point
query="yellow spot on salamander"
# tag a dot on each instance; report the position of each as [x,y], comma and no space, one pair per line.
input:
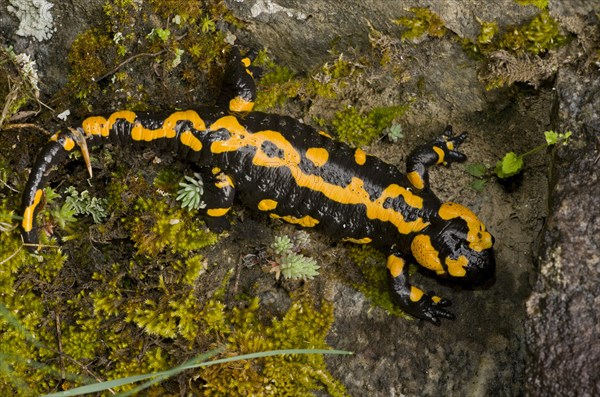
[29,211]
[188,139]
[364,240]
[305,221]
[360,156]
[239,104]
[440,153]
[318,156]
[224,181]
[436,299]
[354,193]
[477,237]
[215,170]
[395,265]
[267,205]
[216,212]
[426,254]
[68,143]
[415,294]
[456,267]
[450,145]
[326,135]
[246,62]
[415,179]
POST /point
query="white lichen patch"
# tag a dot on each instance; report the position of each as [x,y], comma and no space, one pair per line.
[28,72]
[270,7]
[35,19]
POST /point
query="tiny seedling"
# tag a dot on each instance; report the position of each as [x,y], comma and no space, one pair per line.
[512,163]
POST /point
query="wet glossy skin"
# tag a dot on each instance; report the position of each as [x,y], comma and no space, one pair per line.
[279,166]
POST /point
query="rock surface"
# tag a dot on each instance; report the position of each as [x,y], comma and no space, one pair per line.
[563,319]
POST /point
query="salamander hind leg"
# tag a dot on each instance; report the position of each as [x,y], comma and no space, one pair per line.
[414,301]
[239,89]
[442,150]
[219,191]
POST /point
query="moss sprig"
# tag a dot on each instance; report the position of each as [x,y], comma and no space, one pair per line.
[424,21]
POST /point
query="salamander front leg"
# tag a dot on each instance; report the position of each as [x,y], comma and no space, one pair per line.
[442,150]
[414,301]
[218,196]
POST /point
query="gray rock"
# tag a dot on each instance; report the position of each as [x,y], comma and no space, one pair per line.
[563,328]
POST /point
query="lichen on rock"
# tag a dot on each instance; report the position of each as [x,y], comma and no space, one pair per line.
[35,19]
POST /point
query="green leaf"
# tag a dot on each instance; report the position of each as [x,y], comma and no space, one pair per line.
[478,170]
[510,165]
[478,184]
[163,34]
[551,137]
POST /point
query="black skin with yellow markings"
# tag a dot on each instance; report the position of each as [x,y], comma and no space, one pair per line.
[284,168]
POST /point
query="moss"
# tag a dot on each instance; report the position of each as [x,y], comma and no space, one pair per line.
[279,84]
[361,129]
[158,225]
[26,288]
[174,38]
[423,22]
[488,32]
[541,4]
[89,59]
[303,326]
[276,85]
[541,34]
[519,53]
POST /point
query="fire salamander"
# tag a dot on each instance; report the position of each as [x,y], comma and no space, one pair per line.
[288,170]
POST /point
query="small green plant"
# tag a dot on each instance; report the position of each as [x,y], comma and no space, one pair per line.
[282,244]
[394,133]
[298,266]
[75,204]
[83,204]
[162,34]
[512,163]
[64,215]
[191,193]
[479,171]
[208,25]
[288,262]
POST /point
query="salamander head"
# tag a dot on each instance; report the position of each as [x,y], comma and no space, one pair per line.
[456,246]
